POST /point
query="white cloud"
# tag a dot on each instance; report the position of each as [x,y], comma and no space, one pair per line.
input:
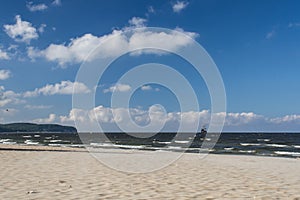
[270,35]
[22,31]
[64,87]
[9,97]
[36,7]
[37,107]
[238,119]
[244,121]
[56,2]
[137,22]
[146,87]
[234,121]
[75,114]
[111,116]
[179,6]
[286,119]
[33,53]
[79,49]
[42,28]
[4,74]
[4,55]
[50,119]
[118,88]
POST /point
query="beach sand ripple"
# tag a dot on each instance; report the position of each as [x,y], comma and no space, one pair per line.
[78,175]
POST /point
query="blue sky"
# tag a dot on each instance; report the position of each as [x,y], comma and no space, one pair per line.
[255,44]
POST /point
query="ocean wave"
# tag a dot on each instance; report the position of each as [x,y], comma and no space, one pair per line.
[287,153]
[174,147]
[53,141]
[250,144]
[102,144]
[264,140]
[181,141]
[158,142]
[277,145]
[228,148]
[4,140]
[130,146]
[246,151]
[9,142]
[30,142]
[57,145]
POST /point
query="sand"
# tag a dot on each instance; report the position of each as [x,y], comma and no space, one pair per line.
[78,175]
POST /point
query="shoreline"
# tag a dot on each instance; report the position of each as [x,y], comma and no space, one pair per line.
[44,148]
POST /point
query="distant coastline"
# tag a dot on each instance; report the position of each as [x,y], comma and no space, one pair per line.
[32,127]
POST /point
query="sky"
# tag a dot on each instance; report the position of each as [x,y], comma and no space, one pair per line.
[254,44]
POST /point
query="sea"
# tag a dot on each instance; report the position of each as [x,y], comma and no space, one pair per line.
[259,144]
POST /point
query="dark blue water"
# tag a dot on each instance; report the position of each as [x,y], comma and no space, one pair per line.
[264,144]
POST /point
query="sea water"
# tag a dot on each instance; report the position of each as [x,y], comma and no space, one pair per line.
[263,144]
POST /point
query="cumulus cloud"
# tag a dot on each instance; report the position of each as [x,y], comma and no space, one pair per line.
[179,6]
[42,28]
[50,119]
[237,119]
[36,7]
[146,87]
[4,55]
[4,74]
[21,31]
[118,88]
[79,49]
[137,22]
[108,117]
[64,87]
[33,53]
[9,97]
[286,119]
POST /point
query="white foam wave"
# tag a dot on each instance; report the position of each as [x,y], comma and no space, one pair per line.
[174,147]
[9,143]
[55,140]
[250,144]
[276,145]
[29,142]
[264,140]
[246,151]
[158,142]
[181,141]
[287,153]
[4,140]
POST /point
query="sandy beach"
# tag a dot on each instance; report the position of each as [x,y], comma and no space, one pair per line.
[68,174]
